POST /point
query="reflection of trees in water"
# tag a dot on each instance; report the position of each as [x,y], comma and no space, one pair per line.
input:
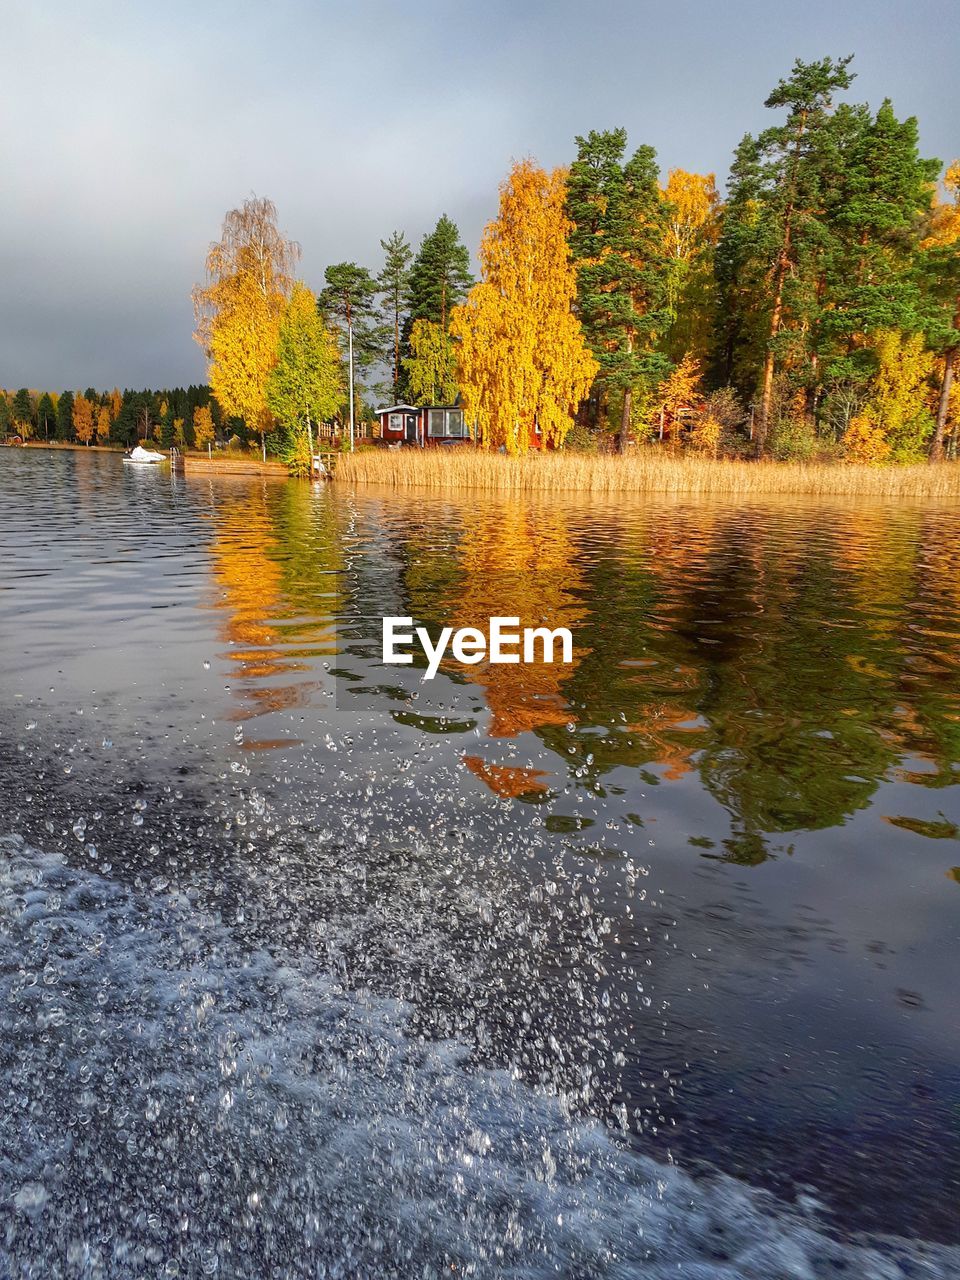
[505,559]
[275,555]
[515,562]
[791,656]
[778,655]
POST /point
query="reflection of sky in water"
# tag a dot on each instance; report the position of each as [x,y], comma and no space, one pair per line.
[763,713]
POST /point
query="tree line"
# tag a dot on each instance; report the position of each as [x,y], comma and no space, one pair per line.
[813,310]
[188,417]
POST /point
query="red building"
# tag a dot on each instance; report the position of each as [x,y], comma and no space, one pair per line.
[432,424]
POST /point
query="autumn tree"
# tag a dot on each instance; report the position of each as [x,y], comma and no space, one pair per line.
[522,359]
[103,424]
[617,235]
[679,390]
[203,432]
[942,268]
[305,385]
[692,227]
[393,281]
[430,368]
[899,404]
[238,310]
[83,422]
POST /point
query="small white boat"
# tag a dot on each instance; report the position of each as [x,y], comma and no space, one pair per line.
[139,454]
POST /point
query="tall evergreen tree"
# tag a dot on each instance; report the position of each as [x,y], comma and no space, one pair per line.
[23,410]
[46,416]
[792,186]
[393,281]
[65,417]
[617,240]
[349,304]
[439,277]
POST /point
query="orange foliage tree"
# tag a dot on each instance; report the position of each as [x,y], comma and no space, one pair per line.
[521,357]
[677,392]
[83,419]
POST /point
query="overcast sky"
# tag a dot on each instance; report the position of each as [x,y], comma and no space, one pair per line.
[128,129]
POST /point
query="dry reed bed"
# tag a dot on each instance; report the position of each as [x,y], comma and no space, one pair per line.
[646,471]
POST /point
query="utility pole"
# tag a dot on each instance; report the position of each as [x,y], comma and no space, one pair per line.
[350,343]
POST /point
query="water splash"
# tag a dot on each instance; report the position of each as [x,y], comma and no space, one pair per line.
[180,1101]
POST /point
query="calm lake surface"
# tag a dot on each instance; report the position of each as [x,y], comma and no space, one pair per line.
[645,966]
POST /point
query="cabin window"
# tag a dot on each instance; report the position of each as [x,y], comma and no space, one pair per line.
[446,422]
[396,422]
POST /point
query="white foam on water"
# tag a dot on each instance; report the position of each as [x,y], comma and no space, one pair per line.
[176,1103]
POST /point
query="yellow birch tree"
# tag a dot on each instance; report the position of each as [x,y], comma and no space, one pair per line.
[239,309]
[203,432]
[521,356]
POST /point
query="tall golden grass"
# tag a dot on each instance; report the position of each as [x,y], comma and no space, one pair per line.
[646,471]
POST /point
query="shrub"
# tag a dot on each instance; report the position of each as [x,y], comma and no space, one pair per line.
[864,441]
[580,439]
[793,440]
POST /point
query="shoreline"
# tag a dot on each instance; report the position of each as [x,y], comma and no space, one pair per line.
[219,464]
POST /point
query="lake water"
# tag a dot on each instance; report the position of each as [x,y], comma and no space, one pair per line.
[645,966]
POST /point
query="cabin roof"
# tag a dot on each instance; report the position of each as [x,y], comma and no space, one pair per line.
[396,408]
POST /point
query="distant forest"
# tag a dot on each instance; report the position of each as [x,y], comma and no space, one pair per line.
[183,416]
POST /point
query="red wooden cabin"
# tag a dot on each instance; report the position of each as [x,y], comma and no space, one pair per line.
[430,424]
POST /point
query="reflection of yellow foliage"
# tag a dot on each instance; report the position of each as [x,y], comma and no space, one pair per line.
[506,780]
[878,558]
[518,563]
[248,574]
[272,556]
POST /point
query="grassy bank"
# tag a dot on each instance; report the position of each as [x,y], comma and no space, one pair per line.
[647,471]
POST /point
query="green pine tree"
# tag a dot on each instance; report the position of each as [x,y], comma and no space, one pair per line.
[23,411]
[65,417]
[440,276]
[393,281]
[46,416]
[349,303]
[617,242]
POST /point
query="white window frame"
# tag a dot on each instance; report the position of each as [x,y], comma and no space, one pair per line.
[452,416]
[397,422]
[432,416]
